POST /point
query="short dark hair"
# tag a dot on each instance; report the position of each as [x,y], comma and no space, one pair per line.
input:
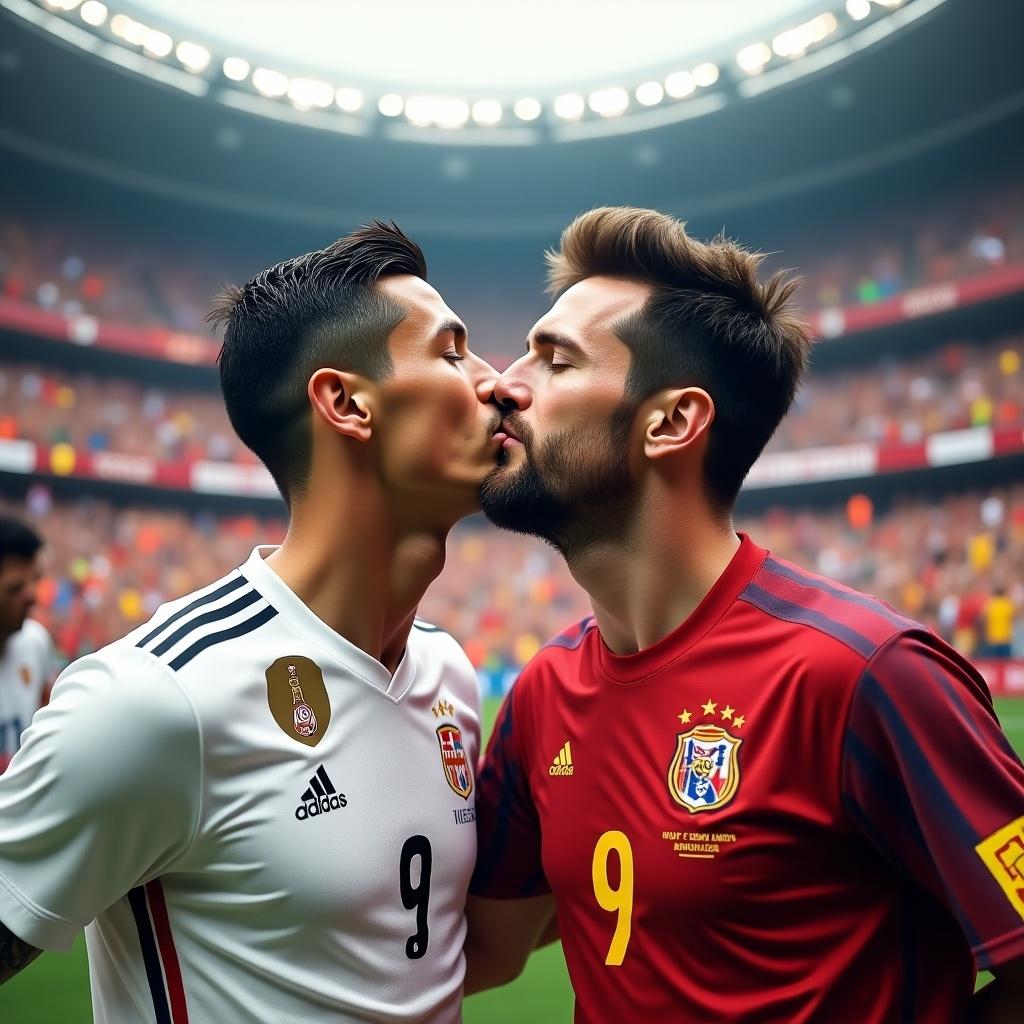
[17,540]
[709,322]
[321,309]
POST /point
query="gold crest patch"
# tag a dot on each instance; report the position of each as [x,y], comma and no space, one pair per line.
[1003,854]
[298,699]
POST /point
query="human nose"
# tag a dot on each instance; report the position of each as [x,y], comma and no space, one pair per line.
[484,378]
[511,391]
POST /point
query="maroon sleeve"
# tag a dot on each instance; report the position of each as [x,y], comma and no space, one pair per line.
[508,830]
[932,782]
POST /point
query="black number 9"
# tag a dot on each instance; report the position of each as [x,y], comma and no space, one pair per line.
[416,897]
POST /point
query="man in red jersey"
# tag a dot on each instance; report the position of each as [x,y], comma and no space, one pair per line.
[749,793]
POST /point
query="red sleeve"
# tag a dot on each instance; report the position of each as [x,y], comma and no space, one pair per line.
[508,830]
[931,781]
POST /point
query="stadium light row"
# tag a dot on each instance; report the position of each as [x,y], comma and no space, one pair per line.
[671,95]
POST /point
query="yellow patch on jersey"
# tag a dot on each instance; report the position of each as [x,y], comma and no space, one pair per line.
[298,699]
[1003,854]
[26,675]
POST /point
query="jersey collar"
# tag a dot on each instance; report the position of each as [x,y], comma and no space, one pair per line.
[633,668]
[293,610]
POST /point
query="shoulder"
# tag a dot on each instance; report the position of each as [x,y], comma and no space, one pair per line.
[559,657]
[33,642]
[441,647]
[229,609]
[841,618]
[917,672]
[120,709]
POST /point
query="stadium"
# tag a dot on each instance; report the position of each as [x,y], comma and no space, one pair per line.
[152,153]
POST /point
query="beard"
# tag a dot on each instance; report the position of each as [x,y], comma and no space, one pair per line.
[573,490]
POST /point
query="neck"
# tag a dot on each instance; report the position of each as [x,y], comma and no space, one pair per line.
[358,568]
[644,585]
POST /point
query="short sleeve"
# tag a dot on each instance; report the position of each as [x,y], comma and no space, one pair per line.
[103,794]
[508,829]
[932,782]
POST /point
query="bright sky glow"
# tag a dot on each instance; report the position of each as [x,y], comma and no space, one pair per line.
[471,46]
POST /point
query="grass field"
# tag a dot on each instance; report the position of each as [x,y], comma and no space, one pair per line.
[55,989]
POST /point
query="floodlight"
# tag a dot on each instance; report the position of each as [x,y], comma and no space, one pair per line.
[649,93]
[348,99]
[193,56]
[270,83]
[93,13]
[487,112]
[236,69]
[680,84]
[608,102]
[569,106]
[527,109]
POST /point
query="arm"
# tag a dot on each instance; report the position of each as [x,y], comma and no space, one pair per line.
[510,910]
[502,934]
[922,736]
[14,954]
[103,793]
[1001,1000]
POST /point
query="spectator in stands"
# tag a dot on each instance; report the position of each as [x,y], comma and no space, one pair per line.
[997,624]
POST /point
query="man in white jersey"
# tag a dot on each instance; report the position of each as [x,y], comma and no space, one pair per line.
[261,802]
[27,657]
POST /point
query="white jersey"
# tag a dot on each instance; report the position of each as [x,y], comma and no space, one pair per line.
[27,666]
[256,821]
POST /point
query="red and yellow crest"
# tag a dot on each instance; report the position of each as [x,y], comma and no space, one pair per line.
[454,760]
[705,772]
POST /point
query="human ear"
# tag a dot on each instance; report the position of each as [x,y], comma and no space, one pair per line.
[342,402]
[676,420]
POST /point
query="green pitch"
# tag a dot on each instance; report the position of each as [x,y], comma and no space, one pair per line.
[56,987]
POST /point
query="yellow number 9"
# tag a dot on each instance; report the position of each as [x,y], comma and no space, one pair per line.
[620,899]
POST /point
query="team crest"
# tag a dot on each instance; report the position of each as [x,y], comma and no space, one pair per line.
[453,760]
[704,773]
[298,699]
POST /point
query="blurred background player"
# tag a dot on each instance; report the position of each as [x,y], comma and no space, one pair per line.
[260,802]
[27,661]
[735,776]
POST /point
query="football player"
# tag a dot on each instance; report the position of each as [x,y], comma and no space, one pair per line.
[749,793]
[259,804]
[27,657]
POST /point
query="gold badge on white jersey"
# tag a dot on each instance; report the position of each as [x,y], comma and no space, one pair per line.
[298,699]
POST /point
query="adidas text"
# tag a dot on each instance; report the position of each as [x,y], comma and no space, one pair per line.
[320,798]
[312,808]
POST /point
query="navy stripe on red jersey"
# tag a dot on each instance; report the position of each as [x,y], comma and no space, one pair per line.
[232,633]
[231,585]
[571,637]
[150,956]
[869,604]
[805,615]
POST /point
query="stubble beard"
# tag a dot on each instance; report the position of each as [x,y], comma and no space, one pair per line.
[573,491]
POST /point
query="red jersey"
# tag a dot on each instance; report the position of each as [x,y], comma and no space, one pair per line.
[798,806]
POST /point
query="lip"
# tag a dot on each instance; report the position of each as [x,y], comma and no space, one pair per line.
[507,435]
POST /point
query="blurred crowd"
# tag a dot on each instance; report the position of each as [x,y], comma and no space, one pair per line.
[960,385]
[97,269]
[958,237]
[50,406]
[901,401]
[956,564]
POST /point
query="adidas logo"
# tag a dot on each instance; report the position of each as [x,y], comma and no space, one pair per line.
[320,798]
[562,765]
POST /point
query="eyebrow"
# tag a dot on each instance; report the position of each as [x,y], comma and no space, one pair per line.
[455,326]
[545,337]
